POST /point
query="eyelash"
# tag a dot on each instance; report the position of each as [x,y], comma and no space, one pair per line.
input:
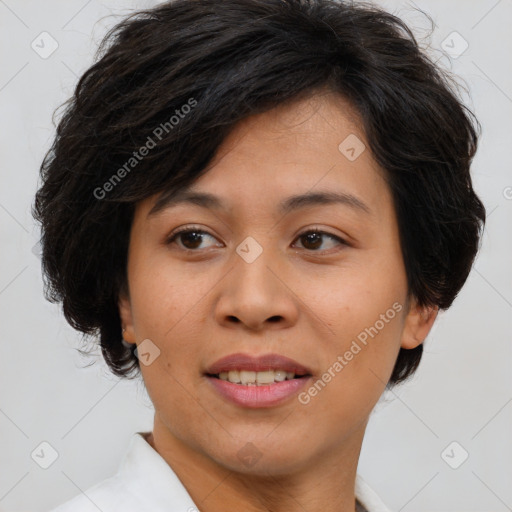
[191,229]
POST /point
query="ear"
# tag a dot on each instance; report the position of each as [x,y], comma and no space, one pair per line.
[417,325]
[125,312]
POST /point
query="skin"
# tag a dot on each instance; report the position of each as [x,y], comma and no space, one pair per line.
[307,301]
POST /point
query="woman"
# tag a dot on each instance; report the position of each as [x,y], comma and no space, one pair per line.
[266,203]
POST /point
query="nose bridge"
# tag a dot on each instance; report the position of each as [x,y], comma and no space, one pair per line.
[252,276]
[252,293]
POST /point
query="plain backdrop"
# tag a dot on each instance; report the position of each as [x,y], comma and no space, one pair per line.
[461,394]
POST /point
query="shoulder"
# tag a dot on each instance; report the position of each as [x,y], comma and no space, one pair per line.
[144,481]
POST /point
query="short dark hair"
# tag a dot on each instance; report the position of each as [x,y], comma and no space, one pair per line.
[226,61]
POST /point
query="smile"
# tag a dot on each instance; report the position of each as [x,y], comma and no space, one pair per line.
[257,381]
[251,378]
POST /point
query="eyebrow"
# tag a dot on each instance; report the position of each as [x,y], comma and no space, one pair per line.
[288,205]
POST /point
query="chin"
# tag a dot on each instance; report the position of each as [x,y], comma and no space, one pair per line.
[263,457]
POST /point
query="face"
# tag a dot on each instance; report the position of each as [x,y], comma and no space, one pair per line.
[290,263]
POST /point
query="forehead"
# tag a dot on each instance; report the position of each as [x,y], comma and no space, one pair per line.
[304,146]
[302,127]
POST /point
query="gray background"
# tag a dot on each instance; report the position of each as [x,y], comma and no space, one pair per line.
[462,392]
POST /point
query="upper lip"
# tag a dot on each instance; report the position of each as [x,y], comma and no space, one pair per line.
[261,363]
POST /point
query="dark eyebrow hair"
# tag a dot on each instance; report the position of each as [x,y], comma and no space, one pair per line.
[291,203]
[322,197]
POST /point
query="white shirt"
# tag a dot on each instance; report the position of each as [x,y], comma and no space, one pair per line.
[146,482]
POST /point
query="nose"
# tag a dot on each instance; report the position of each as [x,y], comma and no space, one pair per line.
[257,296]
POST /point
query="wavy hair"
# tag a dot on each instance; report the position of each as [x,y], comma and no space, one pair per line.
[237,58]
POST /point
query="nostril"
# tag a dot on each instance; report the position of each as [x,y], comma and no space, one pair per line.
[233,318]
[275,318]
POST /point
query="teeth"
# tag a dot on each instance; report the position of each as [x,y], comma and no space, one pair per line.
[280,375]
[250,378]
[247,377]
[265,377]
[234,376]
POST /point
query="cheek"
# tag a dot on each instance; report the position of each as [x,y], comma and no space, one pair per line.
[364,310]
[162,295]
[165,310]
[175,398]
[359,302]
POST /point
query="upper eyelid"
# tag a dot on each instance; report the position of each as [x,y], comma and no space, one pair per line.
[187,229]
[340,239]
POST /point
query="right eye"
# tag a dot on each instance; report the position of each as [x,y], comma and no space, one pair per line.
[190,238]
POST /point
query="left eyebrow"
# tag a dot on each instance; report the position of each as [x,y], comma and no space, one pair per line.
[322,198]
[292,203]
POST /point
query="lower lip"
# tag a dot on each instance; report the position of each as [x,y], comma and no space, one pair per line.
[258,396]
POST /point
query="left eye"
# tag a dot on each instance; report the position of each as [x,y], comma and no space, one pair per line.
[313,240]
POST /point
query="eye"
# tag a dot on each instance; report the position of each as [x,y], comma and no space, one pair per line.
[314,240]
[190,238]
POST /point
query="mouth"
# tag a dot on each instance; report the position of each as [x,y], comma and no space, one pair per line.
[254,382]
[253,378]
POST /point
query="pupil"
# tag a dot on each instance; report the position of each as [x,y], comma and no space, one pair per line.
[192,236]
[314,240]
